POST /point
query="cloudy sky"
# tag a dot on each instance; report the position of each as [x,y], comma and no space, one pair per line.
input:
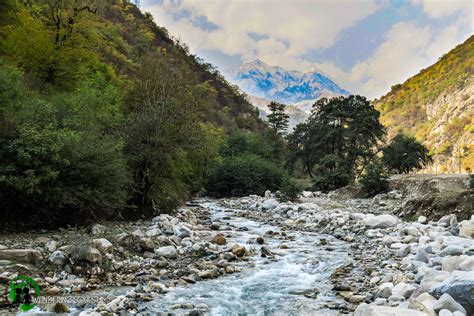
[366,46]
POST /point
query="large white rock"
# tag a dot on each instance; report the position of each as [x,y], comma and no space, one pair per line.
[466,229]
[269,204]
[403,289]
[370,310]
[103,245]
[167,252]
[380,221]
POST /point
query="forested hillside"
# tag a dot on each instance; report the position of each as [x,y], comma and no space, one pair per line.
[437,106]
[103,112]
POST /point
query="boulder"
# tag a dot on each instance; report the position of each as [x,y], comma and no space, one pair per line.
[447,302]
[403,289]
[269,204]
[167,252]
[219,239]
[422,219]
[370,310]
[238,251]
[135,242]
[103,245]
[466,229]
[451,251]
[380,221]
[385,290]
[58,258]
[21,255]
[181,231]
[460,286]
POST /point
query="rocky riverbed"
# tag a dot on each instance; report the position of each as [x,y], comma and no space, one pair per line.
[321,255]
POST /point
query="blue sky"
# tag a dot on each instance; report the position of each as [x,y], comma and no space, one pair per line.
[366,46]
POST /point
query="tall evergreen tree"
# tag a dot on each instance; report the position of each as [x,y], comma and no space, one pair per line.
[278,119]
[341,135]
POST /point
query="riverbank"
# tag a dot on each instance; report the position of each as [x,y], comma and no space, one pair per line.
[322,255]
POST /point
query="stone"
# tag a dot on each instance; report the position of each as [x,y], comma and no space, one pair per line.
[451,251]
[356,298]
[53,290]
[219,239]
[422,219]
[21,255]
[466,229]
[403,289]
[269,204]
[265,251]
[385,290]
[51,245]
[57,258]
[135,242]
[181,231]
[238,251]
[403,251]
[86,253]
[167,252]
[380,221]
[260,240]
[103,245]
[447,302]
[307,194]
[444,312]
[460,286]
[371,310]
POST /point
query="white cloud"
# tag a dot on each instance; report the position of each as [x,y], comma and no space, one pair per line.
[443,8]
[292,27]
[407,49]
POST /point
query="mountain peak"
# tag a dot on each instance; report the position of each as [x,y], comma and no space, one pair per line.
[286,86]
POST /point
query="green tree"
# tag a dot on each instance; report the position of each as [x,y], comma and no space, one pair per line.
[165,135]
[405,154]
[243,175]
[374,179]
[278,119]
[341,135]
[50,171]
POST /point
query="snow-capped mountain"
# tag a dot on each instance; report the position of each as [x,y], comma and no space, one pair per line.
[274,83]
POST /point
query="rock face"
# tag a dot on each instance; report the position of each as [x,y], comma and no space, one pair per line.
[21,255]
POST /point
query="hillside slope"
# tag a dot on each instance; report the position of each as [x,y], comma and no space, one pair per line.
[437,106]
[114,34]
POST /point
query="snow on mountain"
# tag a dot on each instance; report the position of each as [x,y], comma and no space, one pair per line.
[275,83]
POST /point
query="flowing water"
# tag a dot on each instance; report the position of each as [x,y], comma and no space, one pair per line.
[279,286]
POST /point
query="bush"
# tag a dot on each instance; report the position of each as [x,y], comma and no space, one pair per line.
[290,190]
[243,175]
[405,154]
[50,172]
[374,180]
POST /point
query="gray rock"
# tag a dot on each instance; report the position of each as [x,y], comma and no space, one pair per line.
[403,251]
[21,255]
[380,221]
[460,287]
[58,258]
[167,252]
[385,290]
[447,302]
[103,245]
[466,229]
[403,289]
[269,204]
[371,310]
[451,251]
[181,231]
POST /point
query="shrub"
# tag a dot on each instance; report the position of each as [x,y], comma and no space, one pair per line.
[374,180]
[243,175]
[290,190]
[405,154]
